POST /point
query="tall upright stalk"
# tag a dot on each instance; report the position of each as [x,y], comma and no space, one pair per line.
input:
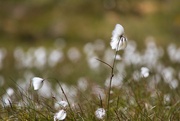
[110,81]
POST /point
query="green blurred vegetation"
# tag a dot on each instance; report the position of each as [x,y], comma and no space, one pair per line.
[35,23]
[40,22]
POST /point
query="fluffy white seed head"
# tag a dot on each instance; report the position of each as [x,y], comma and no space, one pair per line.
[144,72]
[10,91]
[60,104]
[118,41]
[100,113]
[118,31]
[37,83]
[6,100]
[61,115]
[63,104]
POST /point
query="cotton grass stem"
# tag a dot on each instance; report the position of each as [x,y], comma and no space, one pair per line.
[110,81]
[66,100]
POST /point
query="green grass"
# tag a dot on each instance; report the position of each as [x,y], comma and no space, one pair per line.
[132,102]
[149,99]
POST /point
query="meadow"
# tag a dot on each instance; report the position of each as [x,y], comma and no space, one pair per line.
[133,96]
[57,61]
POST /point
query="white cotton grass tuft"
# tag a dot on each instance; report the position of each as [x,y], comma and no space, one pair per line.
[173,84]
[118,41]
[62,104]
[10,91]
[118,31]
[61,115]
[167,98]
[37,83]
[82,83]
[6,100]
[144,72]
[100,113]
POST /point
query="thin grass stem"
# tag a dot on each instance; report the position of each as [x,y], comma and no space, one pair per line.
[110,81]
[66,100]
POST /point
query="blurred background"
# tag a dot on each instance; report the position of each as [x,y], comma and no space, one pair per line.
[51,38]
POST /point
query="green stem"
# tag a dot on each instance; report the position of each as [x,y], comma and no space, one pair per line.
[110,81]
[67,100]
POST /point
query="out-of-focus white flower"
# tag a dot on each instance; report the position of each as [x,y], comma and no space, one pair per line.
[173,84]
[92,62]
[46,90]
[40,55]
[144,72]
[63,103]
[100,113]
[136,75]
[118,41]
[60,104]
[61,115]
[118,57]
[74,54]
[82,83]
[117,81]
[98,91]
[6,100]
[10,91]
[167,98]
[55,57]
[37,82]
[108,55]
